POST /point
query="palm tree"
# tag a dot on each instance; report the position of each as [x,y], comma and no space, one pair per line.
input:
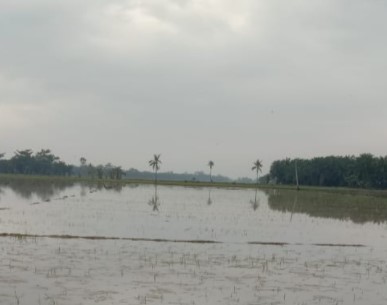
[83,161]
[211,165]
[257,167]
[155,164]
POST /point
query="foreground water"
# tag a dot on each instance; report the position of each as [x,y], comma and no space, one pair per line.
[276,247]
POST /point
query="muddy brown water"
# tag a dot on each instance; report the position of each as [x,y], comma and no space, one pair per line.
[85,244]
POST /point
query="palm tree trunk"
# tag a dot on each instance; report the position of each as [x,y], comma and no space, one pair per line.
[298,186]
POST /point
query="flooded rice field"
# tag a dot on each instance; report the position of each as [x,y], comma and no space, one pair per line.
[65,243]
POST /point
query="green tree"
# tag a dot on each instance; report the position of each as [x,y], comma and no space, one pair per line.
[366,165]
[100,172]
[349,171]
[211,165]
[3,164]
[155,164]
[116,173]
[23,161]
[45,162]
[83,167]
[257,166]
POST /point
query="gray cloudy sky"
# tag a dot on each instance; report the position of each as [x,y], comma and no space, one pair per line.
[232,81]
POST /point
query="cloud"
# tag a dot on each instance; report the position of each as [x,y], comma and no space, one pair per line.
[216,79]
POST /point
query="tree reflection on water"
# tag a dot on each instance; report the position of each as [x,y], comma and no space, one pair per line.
[43,189]
[209,200]
[255,203]
[358,208]
[46,190]
[154,202]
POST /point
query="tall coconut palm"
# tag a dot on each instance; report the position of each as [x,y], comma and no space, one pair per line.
[211,165]
[155,164]
[257,167]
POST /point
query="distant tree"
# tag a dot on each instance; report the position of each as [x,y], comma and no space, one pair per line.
[155,164]
[83,170]
[83,161]
[296,174]
[257,166]
[211,165]
[4,164]
[40,163]
[107,171]
[365,171]
[91,171]
[45,162]
[116,173]
[23,161]
[100,172]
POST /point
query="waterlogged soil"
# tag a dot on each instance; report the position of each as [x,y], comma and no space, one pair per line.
[90,244]
[50,271]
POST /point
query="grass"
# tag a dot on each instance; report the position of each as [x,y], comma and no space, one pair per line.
[6,178]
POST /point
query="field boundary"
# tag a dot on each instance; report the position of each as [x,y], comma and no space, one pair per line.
[191,241]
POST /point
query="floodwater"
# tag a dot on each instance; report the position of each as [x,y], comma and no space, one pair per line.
[64,243]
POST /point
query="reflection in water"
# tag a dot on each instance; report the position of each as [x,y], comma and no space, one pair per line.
[115,186]
[46,190]
[209,201]
[358,208]
[255,203]
[155,202]
[294,205]
[83,191]
[43,189]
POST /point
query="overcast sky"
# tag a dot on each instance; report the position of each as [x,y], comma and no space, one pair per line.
[194,80]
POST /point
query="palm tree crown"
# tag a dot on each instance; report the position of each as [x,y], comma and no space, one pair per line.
[211,165]
[155,164]
[257,167]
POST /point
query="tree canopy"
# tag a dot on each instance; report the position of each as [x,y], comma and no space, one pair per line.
[364,171]
[41,163]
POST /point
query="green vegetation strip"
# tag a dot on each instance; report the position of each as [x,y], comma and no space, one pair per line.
[193,241]
[7,178]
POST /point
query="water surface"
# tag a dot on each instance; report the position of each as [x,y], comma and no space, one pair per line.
[264,247]
[223,215]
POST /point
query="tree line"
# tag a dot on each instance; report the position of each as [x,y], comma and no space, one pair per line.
[108,171]
[363,171]
[44,162]
[27,162]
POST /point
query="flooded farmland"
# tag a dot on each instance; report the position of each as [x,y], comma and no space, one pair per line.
[67,243]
